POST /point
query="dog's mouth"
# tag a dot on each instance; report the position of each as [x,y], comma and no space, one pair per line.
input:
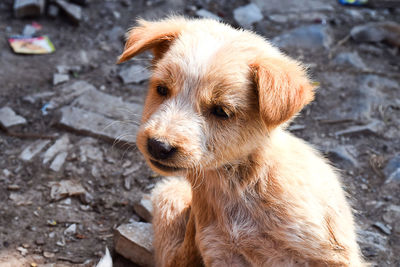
[165,167]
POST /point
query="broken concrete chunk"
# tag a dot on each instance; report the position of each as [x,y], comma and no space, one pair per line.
[28,8]
[32,150]
[60,78]
[247,15]
[134,242]
[204,13]
[89,149]
[134,74]
[144,208]
[107,105]
[97,125]
[74,12]
[69,92]
[8,118]
[392,170]
[58,161]
[65,188]
[61,145]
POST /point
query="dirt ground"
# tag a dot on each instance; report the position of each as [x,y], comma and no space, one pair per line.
[33,222]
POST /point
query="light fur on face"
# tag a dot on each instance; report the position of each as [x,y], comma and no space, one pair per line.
[253,194]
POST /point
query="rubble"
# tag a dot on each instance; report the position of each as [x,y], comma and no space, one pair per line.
[312,37]
[9,119]
[58,161]
[392,170]
[372,128]
[134,74]
[134,242]
[247,15]
[144,208]
[28,8]
[387,31]
[341,154]
[60,146]
[33,149]
[65,188]
[60,78]
[204,13]
[74,12]
[350,59]
[69,92]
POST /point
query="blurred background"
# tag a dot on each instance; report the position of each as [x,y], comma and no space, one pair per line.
[71,178]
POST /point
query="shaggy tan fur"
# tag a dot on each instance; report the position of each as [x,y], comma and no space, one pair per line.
[253,194]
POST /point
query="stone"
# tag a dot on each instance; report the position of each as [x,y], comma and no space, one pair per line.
[69,92]
[32,99]
[106,260]
[107,105]
[312,37]
[383,228]
[134,74]
[116,34]
[246,15]
[350,59]
[341,155]
[289,6]
[74,12]
[204,13]
[53,11]
[387,31]
[65,188]
[371,243]
[58,161]
[9,119]
[97,125]
[33,149]
[29,30]
[28,8]
[70,230]
[144,208]
[89,150]
[60,146]
[60,78]
[372,128]
[392,170]
[134,242]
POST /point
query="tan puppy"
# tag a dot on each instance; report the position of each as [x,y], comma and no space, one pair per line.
[253,194]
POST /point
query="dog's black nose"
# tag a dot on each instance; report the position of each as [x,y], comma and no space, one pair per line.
[160,150]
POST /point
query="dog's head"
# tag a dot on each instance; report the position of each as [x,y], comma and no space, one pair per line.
[214,95]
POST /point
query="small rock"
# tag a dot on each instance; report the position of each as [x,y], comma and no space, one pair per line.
[71,230]
[60,146]
[89,150]
[372,243]
[48,255]
[33,149]
[23,251]
[58,161]
[60,78]
[372,128]
[116,34]
[134,242]
[53,11]
[204,13]
[13,187]
[144,208]
[69,92]
[128,183]
[8,118]
[28,8]
[131,170]
[247,15]
[392,170]
[35,97]
[384,229]
[86,198]
[134,74]
[341,154]
[65,188]
[350,59]
[29,30]
[74,12]
[40,241]
[313,37]
[387,31]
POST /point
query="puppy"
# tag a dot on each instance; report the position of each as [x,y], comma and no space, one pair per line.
[253,194]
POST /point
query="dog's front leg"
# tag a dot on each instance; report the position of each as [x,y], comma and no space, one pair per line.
[174,227]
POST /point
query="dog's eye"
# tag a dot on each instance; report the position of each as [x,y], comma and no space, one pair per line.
[219,112]
[162,90]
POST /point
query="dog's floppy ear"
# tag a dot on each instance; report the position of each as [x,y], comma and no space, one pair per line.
[155,35]
[283,88]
